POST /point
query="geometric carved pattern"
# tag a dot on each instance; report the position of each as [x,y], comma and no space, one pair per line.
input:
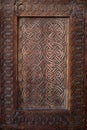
[75,11]
[6,62]
[42,62]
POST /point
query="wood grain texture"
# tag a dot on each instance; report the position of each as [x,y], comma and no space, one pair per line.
[85,93]
[42,63]
[74,118]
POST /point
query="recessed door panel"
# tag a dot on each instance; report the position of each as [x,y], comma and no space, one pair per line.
[43,63]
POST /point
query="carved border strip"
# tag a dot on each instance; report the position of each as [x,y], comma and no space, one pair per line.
[77,83]
[7,62]
[85,93]
[1,55]
[42,9]
[43,118]
[7,65]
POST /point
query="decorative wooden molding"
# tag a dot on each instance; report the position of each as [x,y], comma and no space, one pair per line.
[85,93]
[9,112]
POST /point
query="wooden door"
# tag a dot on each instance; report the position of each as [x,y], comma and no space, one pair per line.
[43,64]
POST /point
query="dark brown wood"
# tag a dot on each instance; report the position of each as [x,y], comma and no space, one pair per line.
[17,111]
[85,93]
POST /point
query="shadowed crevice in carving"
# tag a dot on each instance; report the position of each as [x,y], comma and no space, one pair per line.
[42,63]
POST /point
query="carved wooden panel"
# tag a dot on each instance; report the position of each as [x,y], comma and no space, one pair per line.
[17,110]
[42,62]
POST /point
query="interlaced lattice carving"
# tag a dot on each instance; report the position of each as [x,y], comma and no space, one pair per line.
[42,62]
[75,11]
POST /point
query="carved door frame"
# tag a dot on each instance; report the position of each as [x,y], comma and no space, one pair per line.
[74,118]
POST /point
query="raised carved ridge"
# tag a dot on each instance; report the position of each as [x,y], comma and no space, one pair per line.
[42,62]
[77,47]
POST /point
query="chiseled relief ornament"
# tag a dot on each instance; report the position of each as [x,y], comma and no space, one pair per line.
[42,8]
[42,62]
[75,12]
